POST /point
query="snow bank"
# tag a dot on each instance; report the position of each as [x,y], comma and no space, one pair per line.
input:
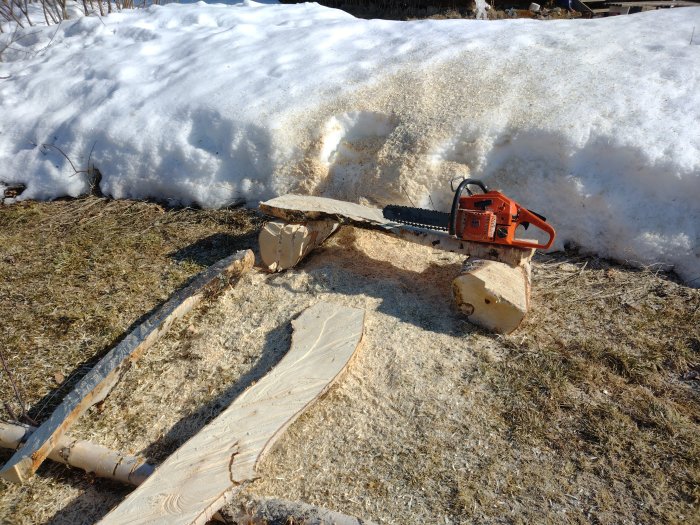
[595,124]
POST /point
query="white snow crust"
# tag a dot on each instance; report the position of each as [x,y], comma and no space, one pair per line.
[593,123]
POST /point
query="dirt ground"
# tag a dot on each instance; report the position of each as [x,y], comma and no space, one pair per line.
[589,413]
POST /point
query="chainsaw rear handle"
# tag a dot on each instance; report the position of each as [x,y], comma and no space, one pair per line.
[526,216]
[455,202]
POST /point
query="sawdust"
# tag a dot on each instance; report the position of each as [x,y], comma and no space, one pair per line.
[580,416]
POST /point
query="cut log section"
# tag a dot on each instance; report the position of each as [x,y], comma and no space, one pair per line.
[96,459]
[284,245]
[195,481]
[301,209]
[100,380]
[492,294]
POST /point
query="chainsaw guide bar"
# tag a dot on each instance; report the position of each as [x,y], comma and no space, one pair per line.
[419,217]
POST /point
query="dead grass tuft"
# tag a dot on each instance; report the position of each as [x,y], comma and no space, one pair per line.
[597,374]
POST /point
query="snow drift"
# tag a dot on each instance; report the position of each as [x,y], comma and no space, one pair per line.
[595,124]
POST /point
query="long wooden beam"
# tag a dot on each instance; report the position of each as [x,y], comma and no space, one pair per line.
[200,477]
[99,381]
[302,208]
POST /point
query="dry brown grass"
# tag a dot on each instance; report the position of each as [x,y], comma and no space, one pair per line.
[600,374]
[75,274]
[589,413]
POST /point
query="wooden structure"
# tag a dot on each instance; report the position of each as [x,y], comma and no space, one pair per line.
[622,7]
[200,477]
[493,290]
[301,209]
[99,381]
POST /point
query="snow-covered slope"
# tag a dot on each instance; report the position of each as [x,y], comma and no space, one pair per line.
[595,124]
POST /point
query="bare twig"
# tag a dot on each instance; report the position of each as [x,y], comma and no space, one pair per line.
[408,196]
[51,40]
[65,156]
[18,395]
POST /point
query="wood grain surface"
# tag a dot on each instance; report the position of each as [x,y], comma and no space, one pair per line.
[200,477]
[301,208]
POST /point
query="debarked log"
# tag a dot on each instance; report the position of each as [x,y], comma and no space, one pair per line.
[283,245]
[90,457]
[493,295]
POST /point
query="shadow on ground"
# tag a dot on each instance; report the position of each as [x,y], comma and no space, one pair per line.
[102,495]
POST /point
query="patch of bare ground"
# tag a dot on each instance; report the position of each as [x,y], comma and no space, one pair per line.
[587,414]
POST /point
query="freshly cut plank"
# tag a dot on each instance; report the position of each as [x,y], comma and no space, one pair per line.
[492,294]
[301,208]
[100,380]
[283,245]
[200,477]
[90,457]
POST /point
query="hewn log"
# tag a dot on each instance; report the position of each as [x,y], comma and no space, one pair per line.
[301,209]
[493,295]
[200,477]
[284,245]
[96,459]
[99,381]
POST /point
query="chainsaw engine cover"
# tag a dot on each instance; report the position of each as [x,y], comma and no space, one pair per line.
[477,226]
[492,217]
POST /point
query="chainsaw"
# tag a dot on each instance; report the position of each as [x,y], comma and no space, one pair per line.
[488,217]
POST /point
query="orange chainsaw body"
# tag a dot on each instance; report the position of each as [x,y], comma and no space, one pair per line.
[492,217]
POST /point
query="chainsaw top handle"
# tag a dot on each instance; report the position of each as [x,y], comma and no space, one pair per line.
[455,202]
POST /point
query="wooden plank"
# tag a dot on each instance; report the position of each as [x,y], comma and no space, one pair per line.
[133,470]
[200,477]
[100,380]
[581,7]
[659,3]
[300,208]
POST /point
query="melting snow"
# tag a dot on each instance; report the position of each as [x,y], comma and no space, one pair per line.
[595,124]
